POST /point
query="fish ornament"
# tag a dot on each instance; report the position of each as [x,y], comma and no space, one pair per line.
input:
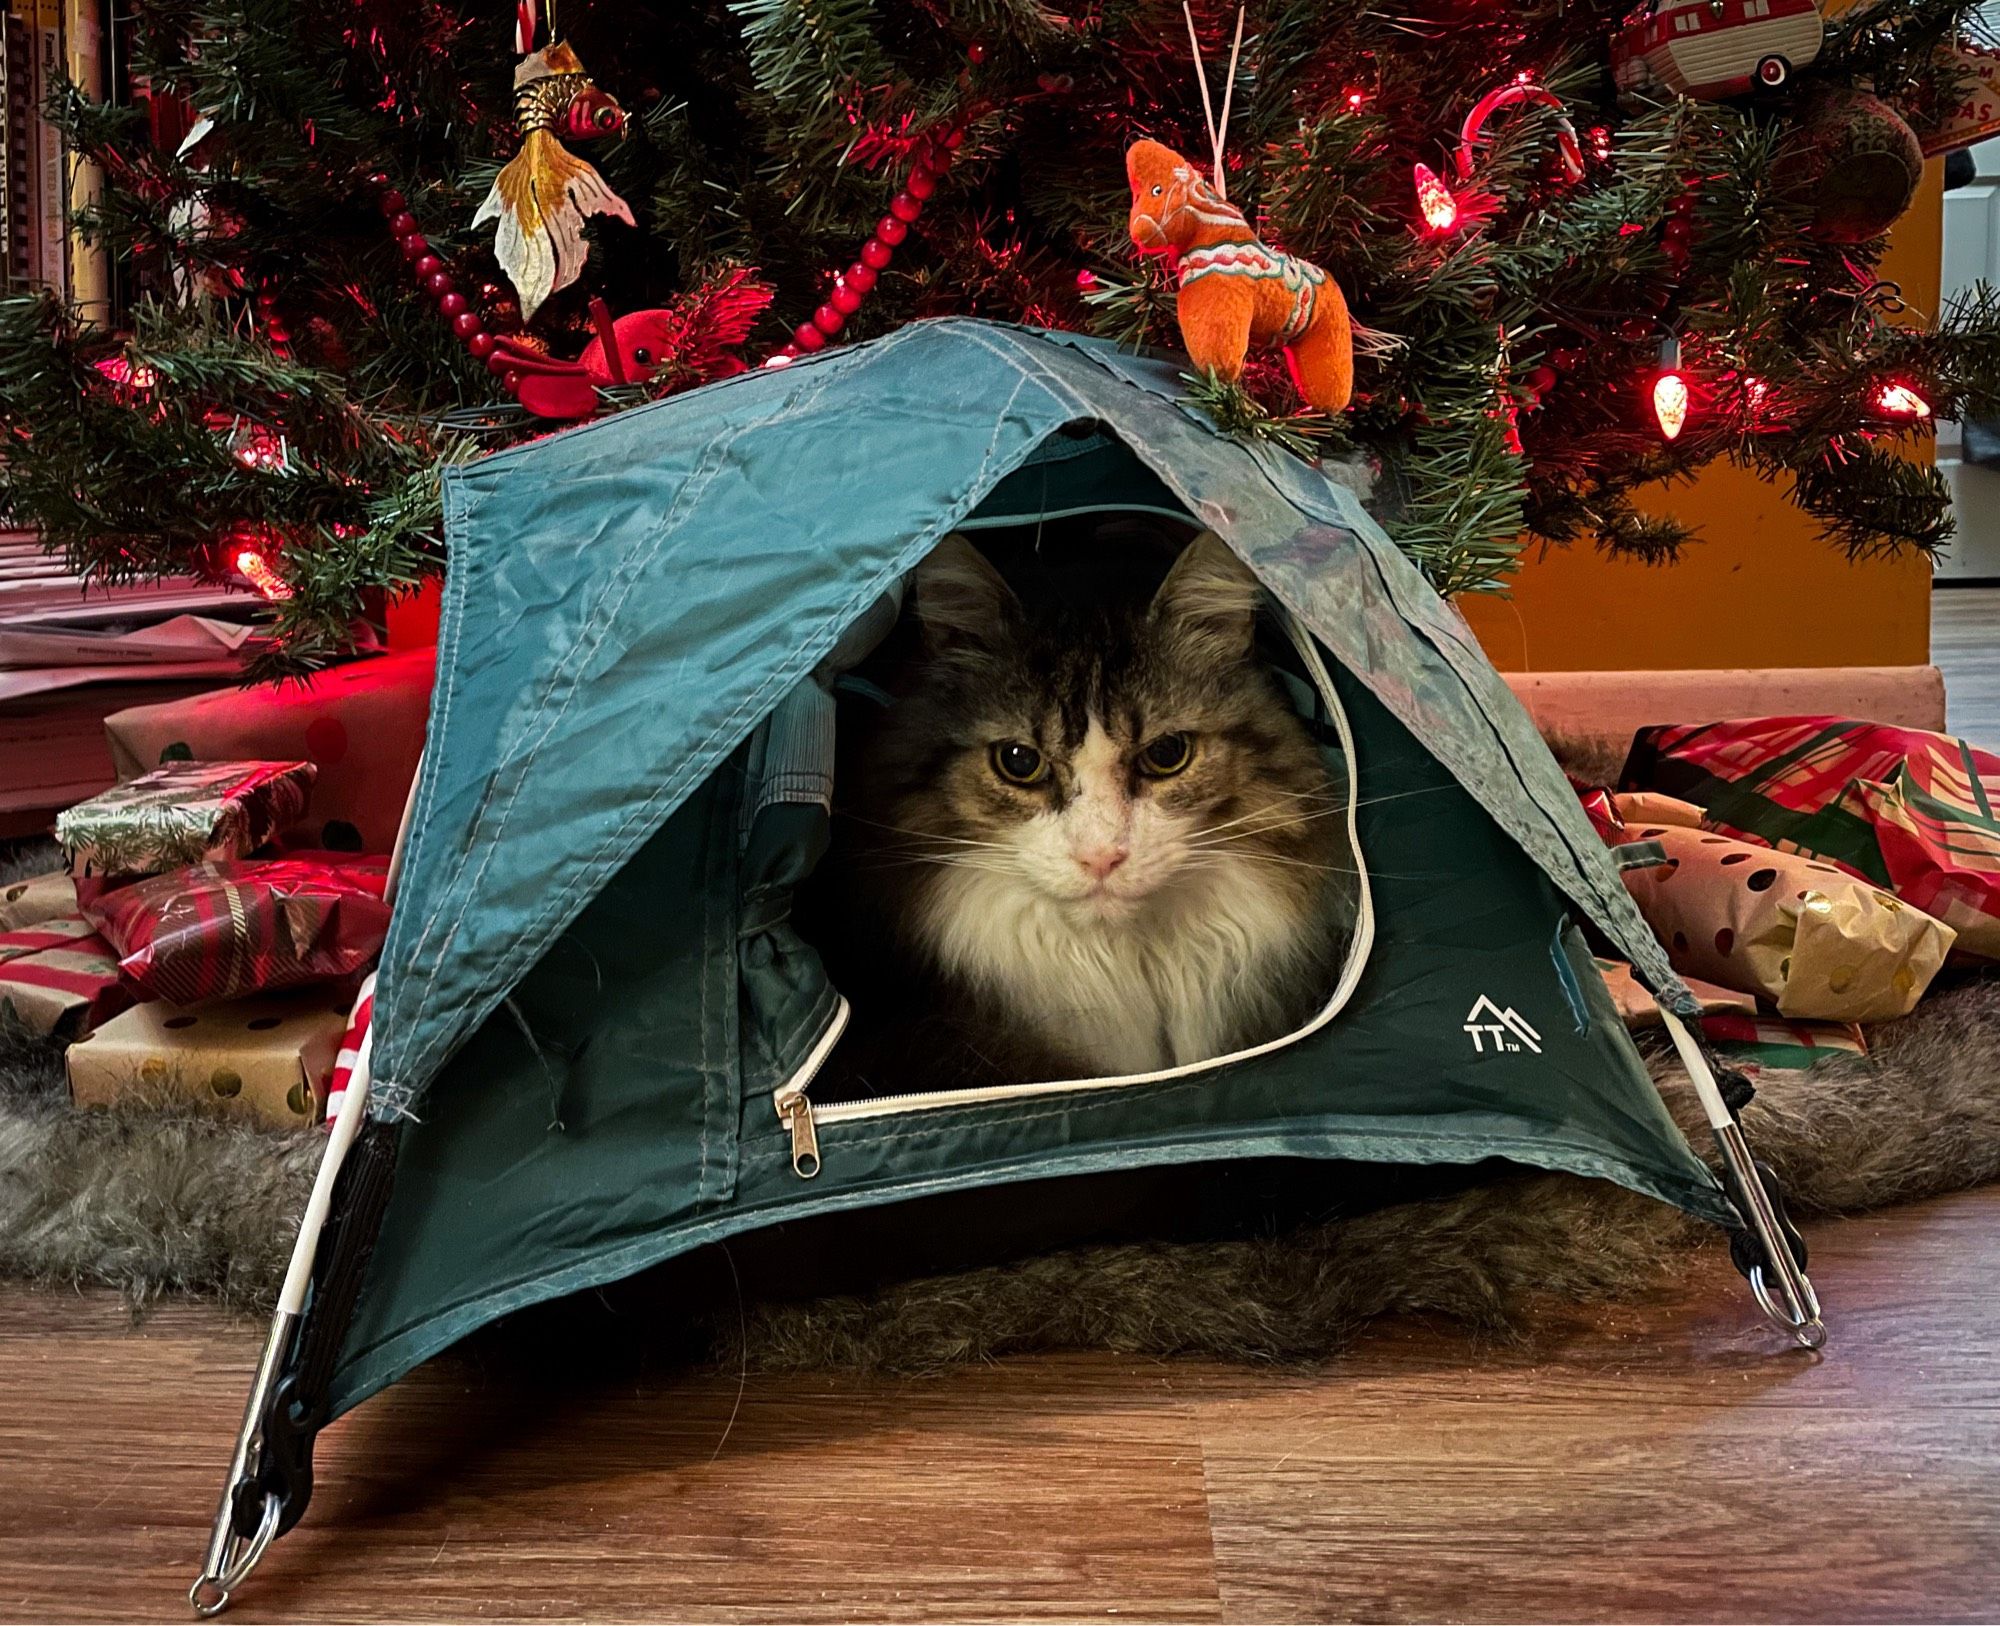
[541,198]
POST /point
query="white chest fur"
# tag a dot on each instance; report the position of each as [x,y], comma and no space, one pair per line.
[1203,969]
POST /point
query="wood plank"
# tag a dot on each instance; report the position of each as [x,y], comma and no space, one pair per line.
[1660,1461]
[482,1486]
[1665,1458]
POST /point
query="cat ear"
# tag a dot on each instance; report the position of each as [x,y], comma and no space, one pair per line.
[1209,602]
[961,599]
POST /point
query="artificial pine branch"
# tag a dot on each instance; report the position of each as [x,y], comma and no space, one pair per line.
[768,138]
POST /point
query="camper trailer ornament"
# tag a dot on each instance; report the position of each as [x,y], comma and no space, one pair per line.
[1235,290]
[541,198]
[1709,49]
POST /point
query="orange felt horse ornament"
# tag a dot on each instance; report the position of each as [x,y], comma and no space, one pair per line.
[1235,291]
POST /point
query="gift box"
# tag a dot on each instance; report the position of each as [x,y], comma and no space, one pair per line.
[36,898]
[361,725]
[1814,941]
[182,814]
[1772,1041]
[58,979]
[1638,1009]
[267,1058]
[1912,811]
[219,931]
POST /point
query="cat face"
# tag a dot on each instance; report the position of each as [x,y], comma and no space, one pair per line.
[1110,762]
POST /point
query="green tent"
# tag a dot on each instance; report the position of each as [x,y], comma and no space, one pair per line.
[595,1029]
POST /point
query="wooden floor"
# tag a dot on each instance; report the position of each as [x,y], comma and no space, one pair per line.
[1664,1460]
[1667,1460]
[1965,646]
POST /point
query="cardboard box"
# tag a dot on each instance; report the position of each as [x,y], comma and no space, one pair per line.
[362,725]
[266,1059]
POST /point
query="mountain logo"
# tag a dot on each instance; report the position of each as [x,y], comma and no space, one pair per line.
[1495,1031]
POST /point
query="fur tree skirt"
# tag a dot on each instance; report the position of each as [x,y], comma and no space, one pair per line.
[163,1201]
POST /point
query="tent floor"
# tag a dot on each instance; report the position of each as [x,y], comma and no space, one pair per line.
[1660,1459]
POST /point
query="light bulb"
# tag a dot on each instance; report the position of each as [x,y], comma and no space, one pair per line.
[1670,403]
[1434,200]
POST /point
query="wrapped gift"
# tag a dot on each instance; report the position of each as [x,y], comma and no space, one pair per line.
[36,898]
[219,931]
[1773,1041]
[1637,808]
[59,932]
[1913,812]
[58,979]
[182,814]
[1638,1008]
[1631,815]
[1813,940]
[361,725]
[266,1059]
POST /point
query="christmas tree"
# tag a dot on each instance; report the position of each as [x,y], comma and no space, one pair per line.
[1578,272]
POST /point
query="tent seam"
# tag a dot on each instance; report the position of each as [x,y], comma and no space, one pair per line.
[780,678]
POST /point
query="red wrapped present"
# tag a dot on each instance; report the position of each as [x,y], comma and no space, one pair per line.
[219,931]
[1916,813]
[58,979]
[361,725]
[182,814]
[1772,1041]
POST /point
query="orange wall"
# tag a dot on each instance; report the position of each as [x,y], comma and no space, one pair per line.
[1758,586]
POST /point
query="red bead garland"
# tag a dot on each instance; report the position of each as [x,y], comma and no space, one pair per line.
[428,268]
[854,284]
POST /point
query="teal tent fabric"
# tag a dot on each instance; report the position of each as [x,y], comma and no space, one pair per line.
[627,601]
[592,992]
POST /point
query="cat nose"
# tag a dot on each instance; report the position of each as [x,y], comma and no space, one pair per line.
[1101,861]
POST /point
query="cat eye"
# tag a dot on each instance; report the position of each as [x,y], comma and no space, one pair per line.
[1019,764]
[1166,756]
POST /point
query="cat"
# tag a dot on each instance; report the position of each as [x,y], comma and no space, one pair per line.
[1082,840]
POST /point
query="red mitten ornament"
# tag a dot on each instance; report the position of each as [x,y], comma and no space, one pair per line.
[1234,290]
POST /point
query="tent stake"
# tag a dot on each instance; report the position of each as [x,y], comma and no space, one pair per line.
[232,1555]
[1799,1315]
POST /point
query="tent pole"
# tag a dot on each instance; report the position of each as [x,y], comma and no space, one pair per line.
[1799,1315]
[231,1554]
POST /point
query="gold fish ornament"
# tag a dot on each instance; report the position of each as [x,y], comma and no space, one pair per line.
[541,198]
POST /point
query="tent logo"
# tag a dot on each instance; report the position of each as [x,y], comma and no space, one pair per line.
[1495,1031]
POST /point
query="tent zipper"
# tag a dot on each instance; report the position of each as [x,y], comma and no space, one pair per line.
[799,1116]
[795,1112]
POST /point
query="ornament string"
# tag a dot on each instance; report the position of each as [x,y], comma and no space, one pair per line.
[1218,131]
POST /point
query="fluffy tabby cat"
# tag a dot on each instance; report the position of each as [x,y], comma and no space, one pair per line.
[1082,840]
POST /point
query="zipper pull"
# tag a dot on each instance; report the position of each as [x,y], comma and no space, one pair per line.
[797,1112]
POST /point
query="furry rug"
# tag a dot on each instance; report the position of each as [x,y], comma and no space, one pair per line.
[163,1201]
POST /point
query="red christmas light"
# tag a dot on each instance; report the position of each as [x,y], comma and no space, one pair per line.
[258,448]
[1669,394]
[254,568]
[1670,403]
[1900,401]
[120,371]
[1434,200]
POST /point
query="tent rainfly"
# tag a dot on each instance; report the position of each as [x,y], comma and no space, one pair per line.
[592,886]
